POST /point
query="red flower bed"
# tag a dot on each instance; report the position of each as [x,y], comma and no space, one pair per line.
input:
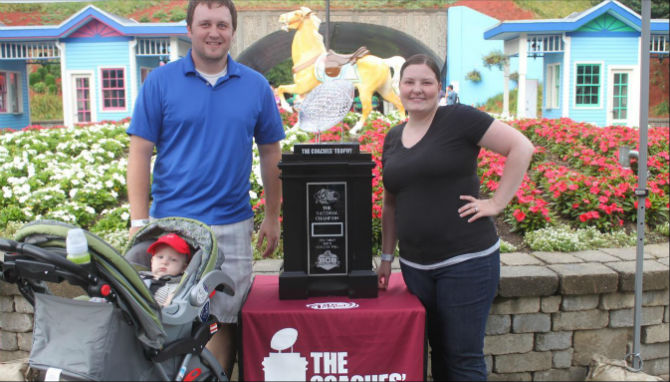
[574,176]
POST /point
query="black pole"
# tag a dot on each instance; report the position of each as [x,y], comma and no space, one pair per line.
[327,24]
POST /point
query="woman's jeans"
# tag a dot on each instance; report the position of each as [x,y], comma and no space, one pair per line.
[457,299]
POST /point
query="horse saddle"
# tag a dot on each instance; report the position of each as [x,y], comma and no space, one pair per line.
[335,61]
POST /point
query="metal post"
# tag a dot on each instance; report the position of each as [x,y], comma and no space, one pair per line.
[327,25]
[641,192]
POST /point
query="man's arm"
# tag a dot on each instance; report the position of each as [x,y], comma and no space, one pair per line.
[270,155]
[138,178]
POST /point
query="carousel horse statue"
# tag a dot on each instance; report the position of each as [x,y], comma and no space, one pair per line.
[314,65]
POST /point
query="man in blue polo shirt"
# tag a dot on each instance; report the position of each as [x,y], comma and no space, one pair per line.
[202,113]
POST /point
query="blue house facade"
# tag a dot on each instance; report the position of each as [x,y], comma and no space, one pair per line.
[104,60]
[591,69]
[466,48]
[13,94]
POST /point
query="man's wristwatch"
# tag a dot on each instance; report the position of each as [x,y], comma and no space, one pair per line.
[136,223]
[387,257]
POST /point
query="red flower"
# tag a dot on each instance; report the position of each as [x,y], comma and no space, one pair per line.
[519,215]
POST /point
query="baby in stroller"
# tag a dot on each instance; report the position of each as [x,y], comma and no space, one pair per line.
[169,257]
[132,337]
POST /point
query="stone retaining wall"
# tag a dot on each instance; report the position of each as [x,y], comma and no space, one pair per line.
[552,313]
[555,310]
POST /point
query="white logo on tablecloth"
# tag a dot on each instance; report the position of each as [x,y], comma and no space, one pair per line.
[284,366]
[332,305]
[324,366]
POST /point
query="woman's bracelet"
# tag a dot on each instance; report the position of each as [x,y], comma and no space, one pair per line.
[387,257]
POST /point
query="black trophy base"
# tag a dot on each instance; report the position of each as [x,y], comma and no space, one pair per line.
[299,285]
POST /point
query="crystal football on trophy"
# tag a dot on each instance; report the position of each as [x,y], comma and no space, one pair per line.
[325,106]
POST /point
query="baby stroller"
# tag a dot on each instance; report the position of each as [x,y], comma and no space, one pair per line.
[125,335]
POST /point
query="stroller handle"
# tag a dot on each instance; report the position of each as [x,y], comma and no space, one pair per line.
[83,275]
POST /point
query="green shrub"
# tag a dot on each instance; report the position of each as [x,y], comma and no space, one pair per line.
[494,104]
[281,73]
[34,78]
[10,229]
[49,79]
[39,87]
[46,107]
[661,109]
[506,247]
[177,14]
[664,229]
[160,16]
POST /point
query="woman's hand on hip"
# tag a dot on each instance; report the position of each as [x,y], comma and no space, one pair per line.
[475,208]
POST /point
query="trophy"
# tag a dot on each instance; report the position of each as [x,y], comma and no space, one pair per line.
[327,217]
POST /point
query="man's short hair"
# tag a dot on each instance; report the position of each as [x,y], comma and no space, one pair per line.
[220,3]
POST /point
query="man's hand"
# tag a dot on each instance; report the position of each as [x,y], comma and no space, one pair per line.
[269,231]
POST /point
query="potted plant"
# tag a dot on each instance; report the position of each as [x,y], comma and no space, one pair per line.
[474,76]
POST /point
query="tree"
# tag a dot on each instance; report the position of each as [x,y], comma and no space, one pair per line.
[281,74]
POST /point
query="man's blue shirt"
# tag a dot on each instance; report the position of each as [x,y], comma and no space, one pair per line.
[452,96]
[204,136]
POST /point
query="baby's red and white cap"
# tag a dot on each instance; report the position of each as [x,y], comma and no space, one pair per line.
[174,241]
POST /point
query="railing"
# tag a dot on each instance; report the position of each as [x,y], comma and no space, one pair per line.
[153,47]
[29,50]
[545,44]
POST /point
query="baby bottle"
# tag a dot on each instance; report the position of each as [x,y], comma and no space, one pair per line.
[77,247]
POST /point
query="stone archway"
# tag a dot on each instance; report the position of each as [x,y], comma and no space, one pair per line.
[345,37]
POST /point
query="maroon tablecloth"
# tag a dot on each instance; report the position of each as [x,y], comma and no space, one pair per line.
[366,339]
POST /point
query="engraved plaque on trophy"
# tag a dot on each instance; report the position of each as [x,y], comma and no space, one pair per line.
[327,222]
[327,207]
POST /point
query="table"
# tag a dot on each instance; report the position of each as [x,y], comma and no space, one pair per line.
[332,338]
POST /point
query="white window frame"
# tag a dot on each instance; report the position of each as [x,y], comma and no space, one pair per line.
[13,95]
[553,86]
[601,86]
[633,88]
[71,95]
[101,89]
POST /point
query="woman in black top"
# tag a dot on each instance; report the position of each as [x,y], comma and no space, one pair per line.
[448,244]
